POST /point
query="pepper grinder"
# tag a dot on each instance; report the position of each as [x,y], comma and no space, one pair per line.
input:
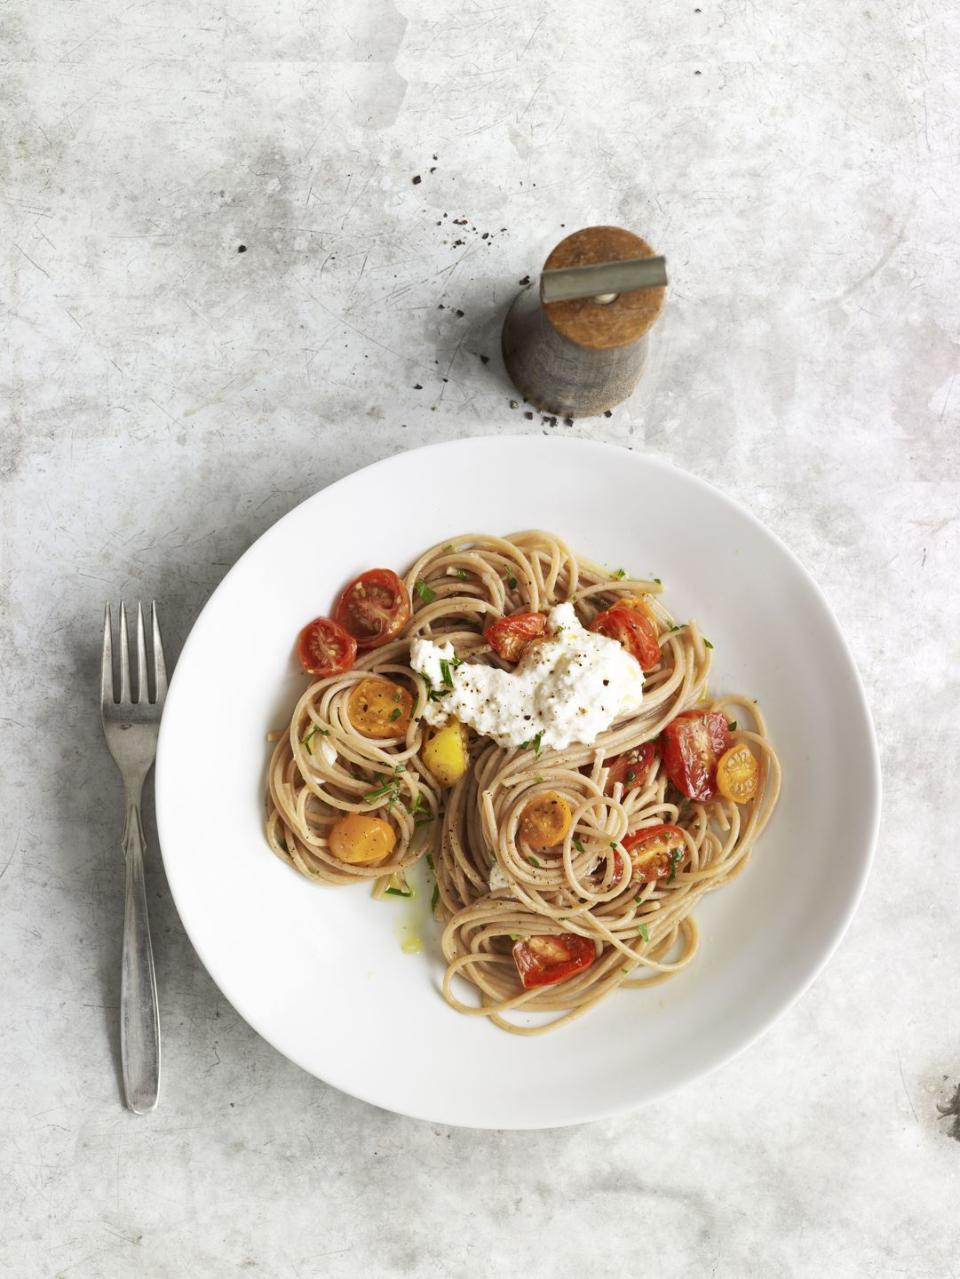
[577,345]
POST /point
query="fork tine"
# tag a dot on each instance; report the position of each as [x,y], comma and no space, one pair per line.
[106,659]
[159,667]
[124,657]
[143,693]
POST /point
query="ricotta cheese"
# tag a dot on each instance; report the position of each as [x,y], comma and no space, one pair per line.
[498,877]
[568,687]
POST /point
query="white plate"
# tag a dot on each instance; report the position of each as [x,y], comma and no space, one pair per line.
[319,972]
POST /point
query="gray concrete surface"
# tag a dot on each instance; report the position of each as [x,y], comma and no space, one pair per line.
[168,396]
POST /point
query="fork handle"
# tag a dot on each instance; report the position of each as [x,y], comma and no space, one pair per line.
[139,1011]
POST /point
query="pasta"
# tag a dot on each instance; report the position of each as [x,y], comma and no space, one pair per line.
[596,907]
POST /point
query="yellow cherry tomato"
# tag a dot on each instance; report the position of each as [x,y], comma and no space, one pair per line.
[380,708]
[738,775]
[545,820]
[359,839]
[446,753]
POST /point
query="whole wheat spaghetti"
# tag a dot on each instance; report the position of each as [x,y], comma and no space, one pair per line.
[494,889]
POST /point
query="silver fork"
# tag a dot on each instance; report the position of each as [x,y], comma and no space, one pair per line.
[130,725]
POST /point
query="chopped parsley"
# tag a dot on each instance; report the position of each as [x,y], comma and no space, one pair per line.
[675,858]
[445,673]
[396,713]
[448,547]
[672,629]
[424,592]
[533,743]
[380,792]
[398,892]
[732,725]
[533,861]
[614,843]
[578,844]
[308,737]
[511,581]
[621,572]
[435,898]
[706,643]
[643,932]
[421,813]
[461,573]
[658,582]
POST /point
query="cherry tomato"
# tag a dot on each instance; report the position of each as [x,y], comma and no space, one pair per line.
[545,820]
[544,960]
[632,768]
[380,708]
[598,872]
[738,775]
[358,839]
[692,744]
[325,648]
[510,635]
[642,602]
[632,627]
[374,608]
[655,852]
[618,867]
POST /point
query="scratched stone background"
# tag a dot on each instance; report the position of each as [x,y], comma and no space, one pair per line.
[168,394]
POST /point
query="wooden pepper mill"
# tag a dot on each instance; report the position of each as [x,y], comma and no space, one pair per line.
[577,345]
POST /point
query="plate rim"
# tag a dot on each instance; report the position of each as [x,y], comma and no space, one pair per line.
[873,774]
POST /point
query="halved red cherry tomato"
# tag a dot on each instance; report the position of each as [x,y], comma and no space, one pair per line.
[655,852]
[374,608]
[632,768]
[544,960]
[617,867]
[634,630]
[510,635]
[325,648]
[692,744]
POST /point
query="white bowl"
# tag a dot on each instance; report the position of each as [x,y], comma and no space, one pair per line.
[319,972]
